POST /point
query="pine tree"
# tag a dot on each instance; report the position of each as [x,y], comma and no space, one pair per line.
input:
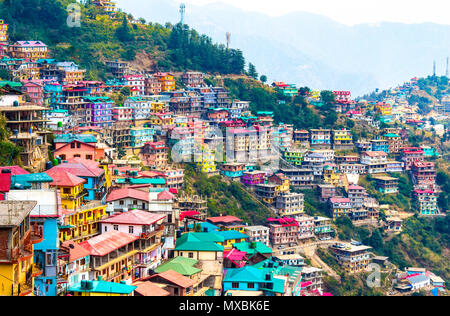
[252,71]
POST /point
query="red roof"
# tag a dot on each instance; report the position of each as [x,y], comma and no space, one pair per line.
[149,289]
[15,170]
[339,200]
[75,250]
[107,242]
[188,214]
[224,219]
[64,178]
[165,196]
[134,217]
[175,278]
[355,187]
[81,168]
[127,193]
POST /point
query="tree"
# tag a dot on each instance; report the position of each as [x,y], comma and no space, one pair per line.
[252,71]
[263,78]
[376,240]
[123,32]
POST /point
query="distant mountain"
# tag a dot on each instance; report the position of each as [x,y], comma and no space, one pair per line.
[309,49]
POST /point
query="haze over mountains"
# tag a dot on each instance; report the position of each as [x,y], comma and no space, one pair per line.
[313,50]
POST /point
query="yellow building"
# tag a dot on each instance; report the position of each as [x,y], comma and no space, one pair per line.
[206,163]
[167,81]
[3,31]
[69,186]
[353,258]
[72,77]
[82,223]
[33,50]
[158,107]
[17,269]
[383,108]
[165,120]
[330,176]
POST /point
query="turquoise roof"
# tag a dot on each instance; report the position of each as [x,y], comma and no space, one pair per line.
[209,227]
[105,287]
[24,181]
[255,275]
[199,242]
[231,234]
[246,246]
[68,138]
[154,181]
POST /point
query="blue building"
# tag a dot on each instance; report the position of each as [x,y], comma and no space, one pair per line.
[250,278]
[380,145]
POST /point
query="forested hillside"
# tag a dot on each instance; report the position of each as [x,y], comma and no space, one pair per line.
[99,37]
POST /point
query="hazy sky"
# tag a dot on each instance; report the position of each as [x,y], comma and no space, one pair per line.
[350,12]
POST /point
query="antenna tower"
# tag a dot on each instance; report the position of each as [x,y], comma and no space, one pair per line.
[182,12]
[446,71]
[228,39]
[434,68]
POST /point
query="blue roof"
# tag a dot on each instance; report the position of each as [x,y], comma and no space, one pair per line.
[418,279]
[105,287]
[205,225]
[24,181]
[231,234]
[68,138]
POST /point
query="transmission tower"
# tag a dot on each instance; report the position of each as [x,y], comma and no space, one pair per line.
[182,12]
[446,71]
[434,68]
[228,39]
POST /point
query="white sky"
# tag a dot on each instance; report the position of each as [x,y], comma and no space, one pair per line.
[350,12]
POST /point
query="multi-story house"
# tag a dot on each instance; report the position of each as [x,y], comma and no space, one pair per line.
[322,227]
[353,257]
[299,178]
[257,234]
[283,231]
[326,191]
[386,185]
[193,79]
[342,139]
[118,68]
[410,155]
[301,137]
[356,194]
[17,268]
[253,178]
[340,206]
[424,175]
[380,145]
[425,202]
[112,255]
[154,155]
[152,85]
[125,199]
[294,156]
[139,136]
[3,32]
[167,81]
[73,266]
[395,142]
[70,188]
[289,204]
[354,168]
[32,50]
[136,83]
[306,227]
[320,138]
[375,161]
[233,170]
[101,111]
[148,227]
[35,90]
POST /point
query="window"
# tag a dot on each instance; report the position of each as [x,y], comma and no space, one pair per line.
[49,259]
[251,285]
[106,228]
[235,285]
[121,202]
[88,157]
[116,227]
[72,145]
[191,255]
[66,190]
[131,229]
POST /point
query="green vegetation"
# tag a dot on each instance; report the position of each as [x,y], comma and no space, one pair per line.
[171,48]
[9,153]
[228,198]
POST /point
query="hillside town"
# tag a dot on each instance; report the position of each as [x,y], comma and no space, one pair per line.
[96,202]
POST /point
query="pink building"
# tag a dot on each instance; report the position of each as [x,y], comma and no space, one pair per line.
[77,149]
[283,231]
[35,90]
[410,155]
[252,178]
[306,227]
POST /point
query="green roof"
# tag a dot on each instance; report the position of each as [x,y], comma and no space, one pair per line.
[68,138]
[104,287]
[246,246]
[12,84]
[199,242]
[391,135]
[182,265]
